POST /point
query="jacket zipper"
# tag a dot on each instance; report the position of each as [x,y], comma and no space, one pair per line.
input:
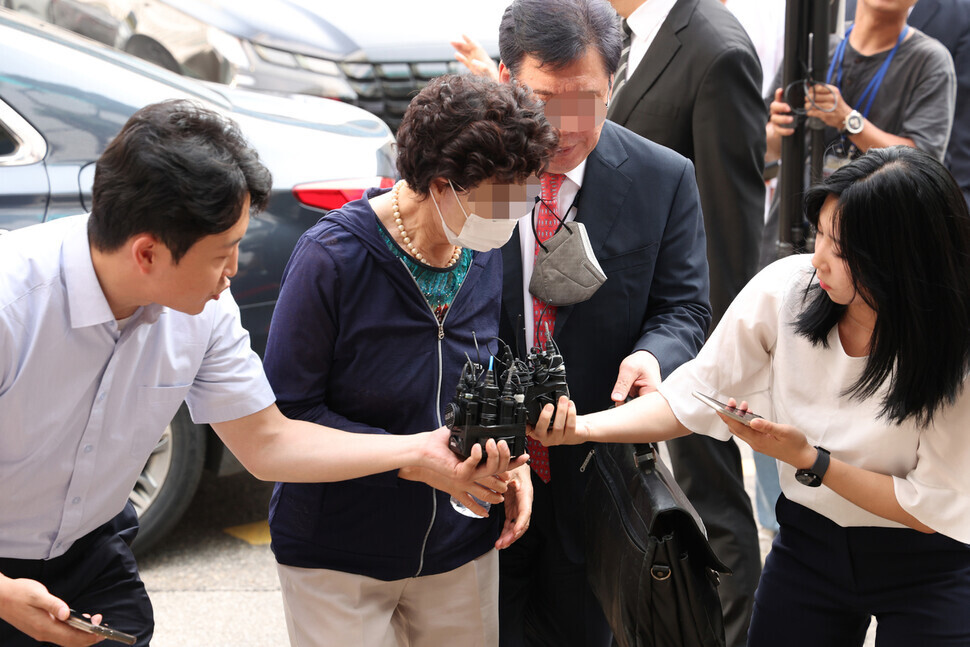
[441,335]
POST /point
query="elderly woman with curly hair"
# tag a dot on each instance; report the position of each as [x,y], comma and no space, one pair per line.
[380,303]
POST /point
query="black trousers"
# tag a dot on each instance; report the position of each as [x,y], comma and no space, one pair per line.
[822,583]
[544,597]
[98,574]
[709,472]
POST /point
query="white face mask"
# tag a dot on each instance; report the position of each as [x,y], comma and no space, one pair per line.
[480,234]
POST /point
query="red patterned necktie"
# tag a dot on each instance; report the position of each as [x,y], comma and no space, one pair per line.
[544,314]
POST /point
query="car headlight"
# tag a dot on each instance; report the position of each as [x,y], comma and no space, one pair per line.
[276,56]
[318,65]
[332,81]
[359,71]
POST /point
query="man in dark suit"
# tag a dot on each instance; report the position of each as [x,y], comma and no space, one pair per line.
[697,89]
[948,21]
[639,204]
[692,82]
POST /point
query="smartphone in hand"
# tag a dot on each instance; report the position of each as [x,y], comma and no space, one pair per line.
[744,418]
[78,621]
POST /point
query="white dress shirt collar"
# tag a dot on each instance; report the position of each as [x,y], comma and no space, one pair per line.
[645,22]
[576,176]
[85,299]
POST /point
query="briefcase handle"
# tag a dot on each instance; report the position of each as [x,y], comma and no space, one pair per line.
[646,455]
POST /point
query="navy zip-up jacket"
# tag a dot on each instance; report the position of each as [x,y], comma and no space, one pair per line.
[354,345]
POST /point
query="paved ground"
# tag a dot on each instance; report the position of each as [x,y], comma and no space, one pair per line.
[210,587]
[213,581]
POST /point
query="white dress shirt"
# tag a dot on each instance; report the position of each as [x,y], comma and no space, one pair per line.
[755,355]
[645,22]
[527,238]
[82,402]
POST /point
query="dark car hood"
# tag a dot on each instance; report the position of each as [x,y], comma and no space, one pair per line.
[375,30]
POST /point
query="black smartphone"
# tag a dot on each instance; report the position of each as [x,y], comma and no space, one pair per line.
[78,621]
[744,418]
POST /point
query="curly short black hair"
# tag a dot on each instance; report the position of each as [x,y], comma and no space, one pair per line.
[178,171]
[469,129]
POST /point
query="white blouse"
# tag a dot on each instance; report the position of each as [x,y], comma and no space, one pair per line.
[788,380]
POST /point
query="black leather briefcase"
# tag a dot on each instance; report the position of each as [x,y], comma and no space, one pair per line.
[647,556]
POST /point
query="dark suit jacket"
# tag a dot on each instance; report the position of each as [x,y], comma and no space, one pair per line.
[640,206]
[698,91]
[948,21]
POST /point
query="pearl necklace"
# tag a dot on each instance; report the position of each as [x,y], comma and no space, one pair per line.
[395,194]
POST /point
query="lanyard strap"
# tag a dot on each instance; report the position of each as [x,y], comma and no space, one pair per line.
[561,219]
[869,94]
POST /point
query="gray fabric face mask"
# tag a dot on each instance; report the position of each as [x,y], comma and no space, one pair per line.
[566,270]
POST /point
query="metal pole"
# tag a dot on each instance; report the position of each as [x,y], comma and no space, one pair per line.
[791,236]
[820,62]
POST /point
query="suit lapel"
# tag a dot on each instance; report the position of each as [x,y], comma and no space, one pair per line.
[601,199]
[661,51]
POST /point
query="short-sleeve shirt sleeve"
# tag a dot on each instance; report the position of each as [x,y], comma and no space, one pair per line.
[937,490]
[230,383]
[927,114]
[736,360]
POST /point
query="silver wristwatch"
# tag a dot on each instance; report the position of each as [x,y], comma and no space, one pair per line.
[853,123]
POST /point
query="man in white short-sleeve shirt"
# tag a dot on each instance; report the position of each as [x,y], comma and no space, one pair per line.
[108,322]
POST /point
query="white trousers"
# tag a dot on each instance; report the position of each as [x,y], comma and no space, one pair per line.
[326,608]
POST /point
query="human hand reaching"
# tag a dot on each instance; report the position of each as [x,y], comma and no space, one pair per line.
[469,52]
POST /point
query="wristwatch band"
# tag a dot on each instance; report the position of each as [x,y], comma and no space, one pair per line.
[813,476]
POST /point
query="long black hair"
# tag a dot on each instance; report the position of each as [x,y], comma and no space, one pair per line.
[904,232]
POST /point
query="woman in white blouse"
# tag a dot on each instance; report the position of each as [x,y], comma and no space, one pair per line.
[857,357]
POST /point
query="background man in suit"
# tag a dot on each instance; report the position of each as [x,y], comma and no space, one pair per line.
[948,21]
[639,203]
[691,81]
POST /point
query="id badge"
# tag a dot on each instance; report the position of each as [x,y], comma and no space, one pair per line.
[840,153]
[832,162]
